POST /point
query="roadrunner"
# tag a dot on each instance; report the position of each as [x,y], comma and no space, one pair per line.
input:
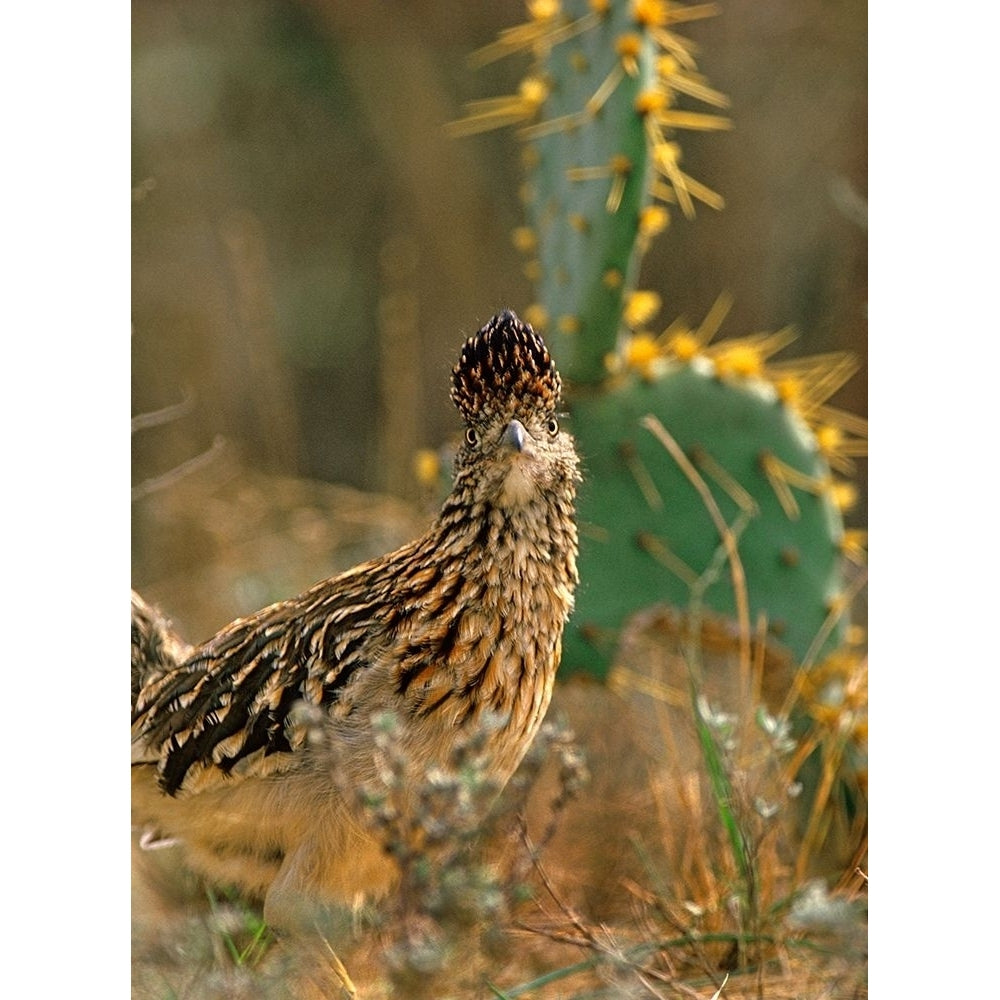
[249,750]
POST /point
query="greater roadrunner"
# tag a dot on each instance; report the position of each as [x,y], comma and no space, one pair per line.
[246,749]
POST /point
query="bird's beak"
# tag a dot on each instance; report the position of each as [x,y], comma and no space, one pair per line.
[515,437]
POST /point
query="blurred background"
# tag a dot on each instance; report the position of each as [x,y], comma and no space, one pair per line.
[310,249]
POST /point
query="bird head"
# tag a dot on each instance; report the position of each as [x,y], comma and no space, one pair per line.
[507,390]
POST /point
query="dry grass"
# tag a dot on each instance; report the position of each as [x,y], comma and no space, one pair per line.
[695,827]
[630,883]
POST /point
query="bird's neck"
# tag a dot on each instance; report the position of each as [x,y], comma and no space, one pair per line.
[506,542]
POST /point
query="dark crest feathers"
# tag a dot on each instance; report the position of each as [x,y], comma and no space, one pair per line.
[503,367]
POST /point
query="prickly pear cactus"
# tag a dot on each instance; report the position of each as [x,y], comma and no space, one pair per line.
[597,114]
[650,537]
[611,84]
[586,187]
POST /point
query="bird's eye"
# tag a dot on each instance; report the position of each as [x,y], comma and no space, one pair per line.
[552,426]
[471,438]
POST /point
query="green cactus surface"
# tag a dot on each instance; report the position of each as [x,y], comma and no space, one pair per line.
[587,182]
[648,537]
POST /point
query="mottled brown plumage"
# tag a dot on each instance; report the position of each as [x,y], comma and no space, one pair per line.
[248,751]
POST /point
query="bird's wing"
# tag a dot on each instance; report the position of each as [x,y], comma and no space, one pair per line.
[233,698]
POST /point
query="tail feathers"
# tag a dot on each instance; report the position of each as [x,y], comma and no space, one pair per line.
[156,648]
